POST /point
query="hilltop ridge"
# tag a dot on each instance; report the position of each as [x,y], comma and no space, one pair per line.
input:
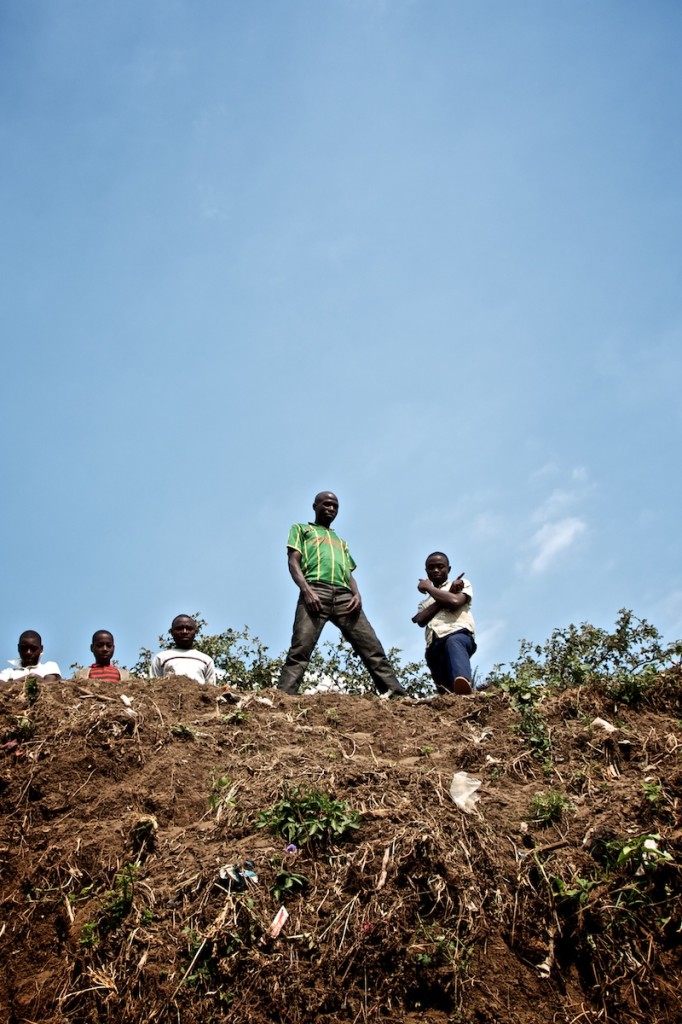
[131,817]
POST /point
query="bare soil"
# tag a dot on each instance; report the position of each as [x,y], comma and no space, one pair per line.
[119,807]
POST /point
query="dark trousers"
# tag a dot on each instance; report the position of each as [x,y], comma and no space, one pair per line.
[449,656]
[355,629]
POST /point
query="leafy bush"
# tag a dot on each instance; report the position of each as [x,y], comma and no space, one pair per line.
[304,815]
[625,663]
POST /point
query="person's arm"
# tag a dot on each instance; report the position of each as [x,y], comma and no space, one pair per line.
[425,615]
[51,677]
[210,673]
[156,668]
[310,598]
[355,603]
[450,598]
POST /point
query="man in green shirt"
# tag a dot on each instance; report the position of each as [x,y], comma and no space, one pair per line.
[321,566]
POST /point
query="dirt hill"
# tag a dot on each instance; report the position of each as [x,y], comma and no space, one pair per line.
[557,898]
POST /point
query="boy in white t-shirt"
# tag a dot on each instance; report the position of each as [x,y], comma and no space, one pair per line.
[184,659]
[28,663]
[446,616]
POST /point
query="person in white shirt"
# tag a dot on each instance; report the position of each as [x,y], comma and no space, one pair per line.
[28,663]
[446,616]
[184,659]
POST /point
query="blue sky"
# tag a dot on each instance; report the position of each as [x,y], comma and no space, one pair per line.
[424,253]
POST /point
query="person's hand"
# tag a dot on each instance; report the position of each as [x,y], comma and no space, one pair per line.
[457,587]
[312,601]
[425,586]
[354,605]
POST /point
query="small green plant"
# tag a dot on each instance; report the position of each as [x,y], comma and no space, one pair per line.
[288,883]
[236,717]
[573,893]
[118,901]
[305,815]
[22,731]
[31,690]
[641,853]
[83,894]
[332,716]
[654,792]
[546,808]
[117,904]
[222,791]
[89,935]
[143,833]
[182,731]
[147,916]
[526,695]
[434,946]
[426,751]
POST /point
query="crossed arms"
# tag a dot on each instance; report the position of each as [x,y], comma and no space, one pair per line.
[450,598]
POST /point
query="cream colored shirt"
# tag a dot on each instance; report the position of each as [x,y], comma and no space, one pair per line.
[449,620]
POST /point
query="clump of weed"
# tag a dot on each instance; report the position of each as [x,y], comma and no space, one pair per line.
[31,690]
[222,792]
[526,695]
[116,905]
[573,894]
[182,731]
[304,815]
[288,883]
[638,853]
[547,808]
[654,792]
[143,834]
[236,717]
[22,731]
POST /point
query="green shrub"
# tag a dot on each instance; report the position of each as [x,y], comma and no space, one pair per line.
[304,815]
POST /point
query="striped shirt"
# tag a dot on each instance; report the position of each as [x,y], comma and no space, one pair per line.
[107,673]
[325,558]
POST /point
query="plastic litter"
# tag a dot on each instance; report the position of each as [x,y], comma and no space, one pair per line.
[601,723]
[463,791]
[237,877]
[278,922]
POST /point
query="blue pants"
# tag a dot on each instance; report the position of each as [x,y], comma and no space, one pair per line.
[448,657]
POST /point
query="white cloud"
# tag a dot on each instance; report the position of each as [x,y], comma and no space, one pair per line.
[553,538]
[562,498]
[557,529]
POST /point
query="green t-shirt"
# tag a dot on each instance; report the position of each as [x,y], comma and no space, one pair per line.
[325,558]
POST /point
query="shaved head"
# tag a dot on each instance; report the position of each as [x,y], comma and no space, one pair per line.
[324,494]
[30,634]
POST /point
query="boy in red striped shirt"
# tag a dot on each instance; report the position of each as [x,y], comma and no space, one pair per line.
[102,647]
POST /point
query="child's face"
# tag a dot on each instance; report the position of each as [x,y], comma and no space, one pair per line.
[103,648]
[29,652]
[437,569]
[183,631]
